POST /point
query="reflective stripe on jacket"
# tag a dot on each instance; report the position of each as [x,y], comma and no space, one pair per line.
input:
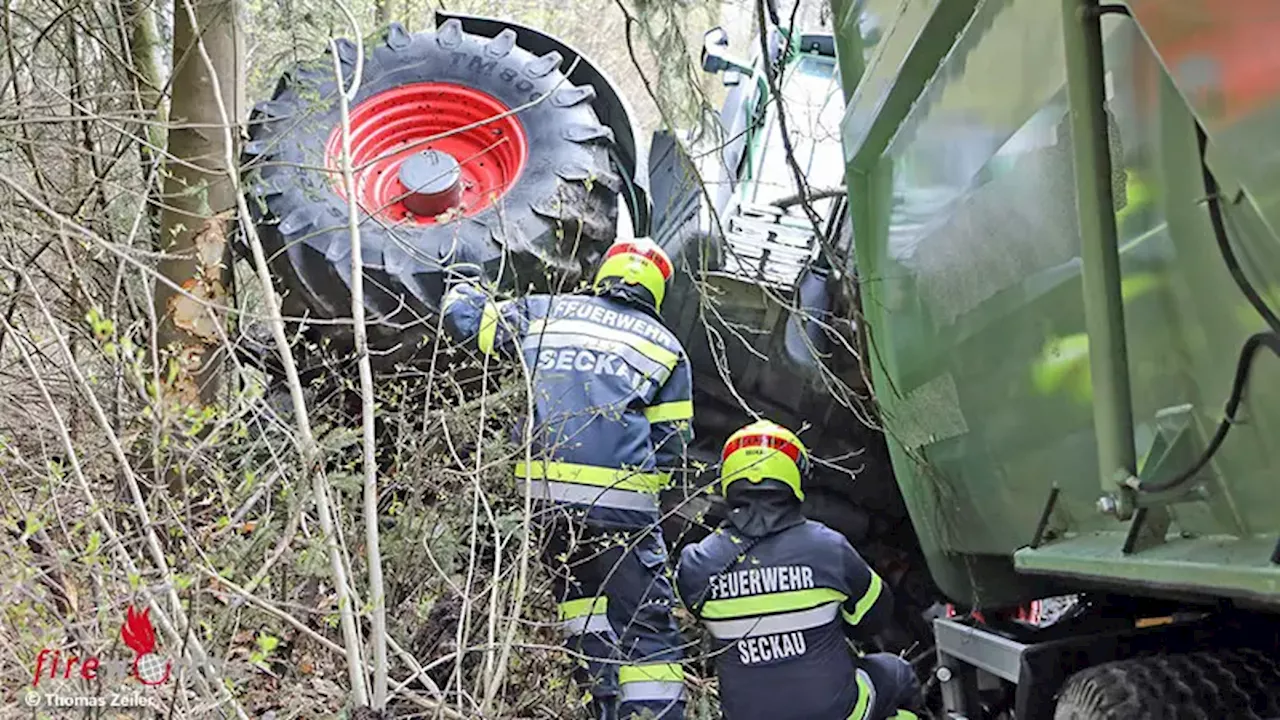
[778,614]
[612,395]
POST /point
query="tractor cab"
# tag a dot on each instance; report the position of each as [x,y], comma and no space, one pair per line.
[726,195]
[743,156]
[767,268]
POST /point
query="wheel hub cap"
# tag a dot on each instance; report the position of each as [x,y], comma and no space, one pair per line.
[433,181]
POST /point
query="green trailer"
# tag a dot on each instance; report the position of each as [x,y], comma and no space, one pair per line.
[1066,221]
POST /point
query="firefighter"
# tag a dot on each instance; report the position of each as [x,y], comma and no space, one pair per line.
[612,413]
[778,594]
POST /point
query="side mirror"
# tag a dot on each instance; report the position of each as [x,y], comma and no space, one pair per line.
[713,42]
[715,59]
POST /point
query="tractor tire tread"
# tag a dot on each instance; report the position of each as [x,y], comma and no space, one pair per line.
[1242,684]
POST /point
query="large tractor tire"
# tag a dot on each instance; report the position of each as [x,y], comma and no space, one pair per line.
[1236,684]
[479,117]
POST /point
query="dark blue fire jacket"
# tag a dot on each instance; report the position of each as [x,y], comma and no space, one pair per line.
[612,394]
[778,608]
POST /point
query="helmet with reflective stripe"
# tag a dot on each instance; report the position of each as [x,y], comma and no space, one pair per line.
[763,451]
[637,262]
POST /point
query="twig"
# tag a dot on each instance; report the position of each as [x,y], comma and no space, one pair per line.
[271,609]
[420,673]
[377,590]
[464,622]
[522,560]
[814,196]
[286,539]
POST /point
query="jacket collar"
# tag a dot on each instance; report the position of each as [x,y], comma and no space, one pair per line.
[765,509]
[632,295]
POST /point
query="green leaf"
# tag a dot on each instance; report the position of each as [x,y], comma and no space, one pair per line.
[32,525]
[267,643]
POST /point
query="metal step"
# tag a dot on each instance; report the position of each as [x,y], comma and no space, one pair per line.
[763,245]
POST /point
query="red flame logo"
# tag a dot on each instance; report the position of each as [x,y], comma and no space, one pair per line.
[137,631]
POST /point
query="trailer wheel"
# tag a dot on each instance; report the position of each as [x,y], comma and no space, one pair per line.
[1237,684]
[467,150]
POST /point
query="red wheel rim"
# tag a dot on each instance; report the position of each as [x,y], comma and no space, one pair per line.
[396,124]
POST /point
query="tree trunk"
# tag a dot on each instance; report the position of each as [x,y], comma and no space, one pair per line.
[143,40]
[198,199]
[383,10]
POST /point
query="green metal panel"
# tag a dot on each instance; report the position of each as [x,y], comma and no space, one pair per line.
[1239,568]
[956,225]
[969,258]
[906,57]
[1184,336]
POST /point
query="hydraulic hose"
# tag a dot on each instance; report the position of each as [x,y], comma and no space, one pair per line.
[1224,243]
[1269,340]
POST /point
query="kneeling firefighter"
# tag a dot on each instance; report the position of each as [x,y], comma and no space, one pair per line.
[612,412]
[778,594]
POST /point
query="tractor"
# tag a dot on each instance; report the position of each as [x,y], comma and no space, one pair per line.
[491,143]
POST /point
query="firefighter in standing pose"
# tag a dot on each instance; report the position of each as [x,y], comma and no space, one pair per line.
[778,593]
[612,413]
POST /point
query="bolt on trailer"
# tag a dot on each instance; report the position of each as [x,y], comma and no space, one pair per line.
[1065,219]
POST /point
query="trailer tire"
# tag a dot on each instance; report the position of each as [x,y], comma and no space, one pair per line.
[1237,684]
[543,221]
